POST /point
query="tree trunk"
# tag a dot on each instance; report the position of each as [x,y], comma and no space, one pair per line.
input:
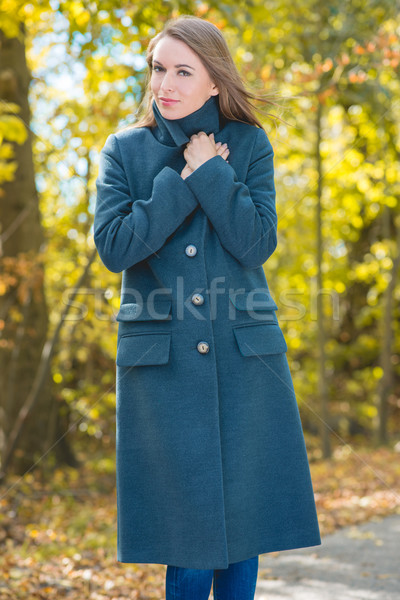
[28,407]
[22,307]
[322,384]
[386,382]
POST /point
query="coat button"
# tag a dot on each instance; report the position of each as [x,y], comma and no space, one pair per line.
[191,250]
[197,299]
[203,347]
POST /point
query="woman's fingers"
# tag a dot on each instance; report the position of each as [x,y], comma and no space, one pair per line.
[222,149]
[218,144]
[224,152]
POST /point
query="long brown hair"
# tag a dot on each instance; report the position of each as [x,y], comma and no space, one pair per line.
[206,40]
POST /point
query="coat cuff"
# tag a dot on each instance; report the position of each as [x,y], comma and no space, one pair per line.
[175,187]
[211,171]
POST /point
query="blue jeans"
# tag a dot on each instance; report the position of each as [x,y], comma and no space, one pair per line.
[237,582]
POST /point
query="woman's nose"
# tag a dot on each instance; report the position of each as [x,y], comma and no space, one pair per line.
[165,84]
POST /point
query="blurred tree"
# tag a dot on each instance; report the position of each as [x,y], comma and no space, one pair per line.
[335,58]
[22,301]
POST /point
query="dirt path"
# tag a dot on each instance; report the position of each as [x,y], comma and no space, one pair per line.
[354,563]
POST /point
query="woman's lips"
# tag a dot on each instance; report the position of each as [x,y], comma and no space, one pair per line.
[168,102]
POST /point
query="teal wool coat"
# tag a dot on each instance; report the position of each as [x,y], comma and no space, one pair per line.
[212,466]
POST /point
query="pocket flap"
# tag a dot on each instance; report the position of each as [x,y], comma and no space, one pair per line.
[253,300]
[143,349]
[260,339]
[156,309]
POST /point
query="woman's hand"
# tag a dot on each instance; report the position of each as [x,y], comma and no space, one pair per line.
[201,148]
[186,171]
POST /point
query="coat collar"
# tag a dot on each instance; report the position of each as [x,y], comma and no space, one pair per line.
[176,132]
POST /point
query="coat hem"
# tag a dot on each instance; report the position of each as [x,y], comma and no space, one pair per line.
[130,558]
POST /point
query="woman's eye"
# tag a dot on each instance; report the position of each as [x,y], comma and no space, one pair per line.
[161,69]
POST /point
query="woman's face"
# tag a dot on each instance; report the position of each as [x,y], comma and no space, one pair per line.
[189,85]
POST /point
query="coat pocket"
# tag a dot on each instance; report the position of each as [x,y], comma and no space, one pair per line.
[256,304]
[139,349]
[260,338]
[155,310]
[253,300]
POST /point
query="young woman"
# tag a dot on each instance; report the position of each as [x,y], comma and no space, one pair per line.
[212,468]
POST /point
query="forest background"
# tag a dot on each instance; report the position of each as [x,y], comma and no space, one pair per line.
[71,73]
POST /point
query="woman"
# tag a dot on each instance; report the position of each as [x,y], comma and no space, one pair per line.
[212,467]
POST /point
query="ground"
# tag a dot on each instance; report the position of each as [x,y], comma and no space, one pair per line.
[360,562]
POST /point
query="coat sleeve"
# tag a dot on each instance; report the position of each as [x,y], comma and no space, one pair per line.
[127,231]
[243,214]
